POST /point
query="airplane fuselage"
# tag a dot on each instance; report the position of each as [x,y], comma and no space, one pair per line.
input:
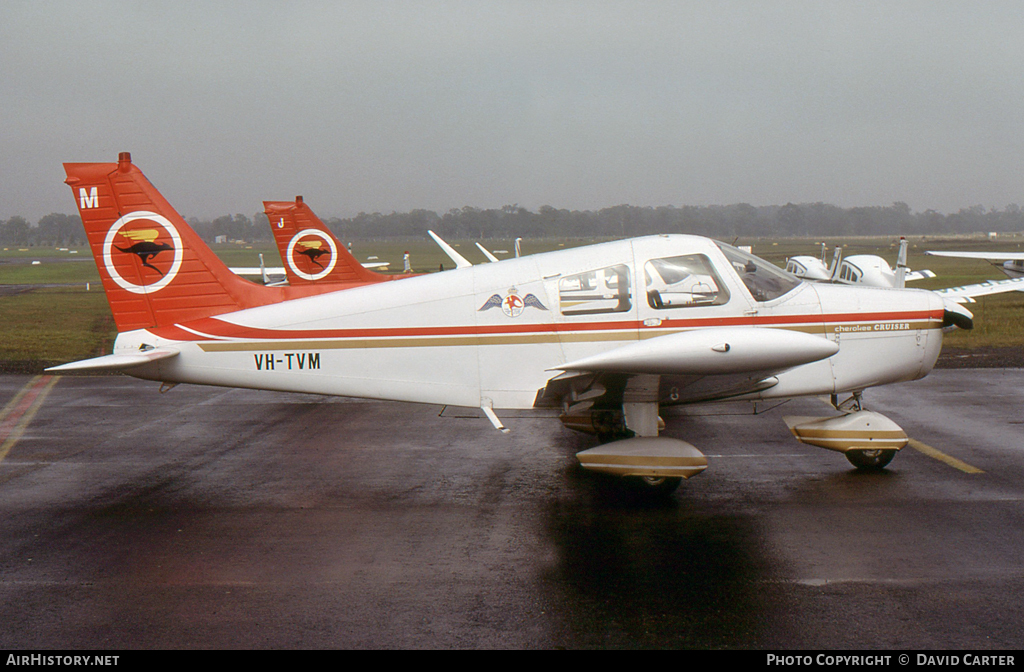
[495,334]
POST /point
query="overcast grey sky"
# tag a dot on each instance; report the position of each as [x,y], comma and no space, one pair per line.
[381,106]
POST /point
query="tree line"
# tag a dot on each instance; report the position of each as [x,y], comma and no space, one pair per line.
[739,220]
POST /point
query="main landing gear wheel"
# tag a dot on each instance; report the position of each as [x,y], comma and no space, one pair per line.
[654,486]
[870,460]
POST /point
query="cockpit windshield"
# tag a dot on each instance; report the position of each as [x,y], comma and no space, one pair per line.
[764,280]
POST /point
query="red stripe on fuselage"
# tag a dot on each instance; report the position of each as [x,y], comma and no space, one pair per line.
[219,329]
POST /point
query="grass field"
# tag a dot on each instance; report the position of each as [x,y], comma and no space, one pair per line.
[59,320]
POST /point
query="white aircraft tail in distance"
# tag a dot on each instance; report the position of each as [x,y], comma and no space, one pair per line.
[609,333]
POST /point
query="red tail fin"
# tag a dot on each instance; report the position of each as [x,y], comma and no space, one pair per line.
[309,250]
[154,267]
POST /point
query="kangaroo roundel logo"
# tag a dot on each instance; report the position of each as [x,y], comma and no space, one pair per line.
[143,246]
[311,254]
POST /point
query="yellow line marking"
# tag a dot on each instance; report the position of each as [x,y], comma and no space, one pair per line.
[23,423]
[13,403]
[933,453]
[942,457]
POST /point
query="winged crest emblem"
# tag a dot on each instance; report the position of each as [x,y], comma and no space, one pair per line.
[512,304]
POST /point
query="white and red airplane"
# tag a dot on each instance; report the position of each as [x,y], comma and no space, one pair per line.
[608,333]
[311,252]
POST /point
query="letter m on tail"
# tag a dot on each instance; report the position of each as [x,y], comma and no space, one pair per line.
[88,200]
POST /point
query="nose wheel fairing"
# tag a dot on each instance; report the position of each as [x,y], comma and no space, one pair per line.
[869,440]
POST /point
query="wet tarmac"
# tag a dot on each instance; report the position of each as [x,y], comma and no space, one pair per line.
[213,518]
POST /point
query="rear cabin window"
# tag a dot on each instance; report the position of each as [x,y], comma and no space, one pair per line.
[605,290]
[679,282]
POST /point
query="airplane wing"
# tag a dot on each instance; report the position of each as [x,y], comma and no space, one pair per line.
[967,293]
[256,270]
[988,256]
[706,364]
[279,270]
[712,352]
[116,362]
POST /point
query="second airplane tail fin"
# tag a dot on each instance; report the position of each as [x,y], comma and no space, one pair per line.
[311,253]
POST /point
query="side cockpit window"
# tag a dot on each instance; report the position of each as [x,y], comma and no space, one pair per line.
[764,280]
[687,280]
[605,290]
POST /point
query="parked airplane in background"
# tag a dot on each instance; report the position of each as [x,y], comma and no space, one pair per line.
[812,269]
[607,333]
[873,271]
[859,269]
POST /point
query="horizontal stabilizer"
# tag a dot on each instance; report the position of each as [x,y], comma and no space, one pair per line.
[116,362]
[721,351]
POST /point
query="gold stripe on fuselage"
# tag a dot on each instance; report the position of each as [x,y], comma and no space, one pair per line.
[401,342]
[625,335]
